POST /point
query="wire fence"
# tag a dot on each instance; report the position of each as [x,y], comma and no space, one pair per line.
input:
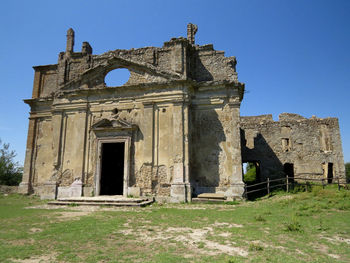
[287,183]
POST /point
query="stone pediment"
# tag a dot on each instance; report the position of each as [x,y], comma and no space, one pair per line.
[113,124]
[140,72]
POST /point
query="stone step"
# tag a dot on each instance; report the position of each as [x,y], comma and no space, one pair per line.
[103,200]
[207,200]
[90,203]
[212,196]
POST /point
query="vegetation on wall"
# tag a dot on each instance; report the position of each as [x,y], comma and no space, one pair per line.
[10,171]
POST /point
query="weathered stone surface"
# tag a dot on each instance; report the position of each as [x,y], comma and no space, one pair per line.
[211,196]
[176,122]
[308,144]
[74,190]
[5,189]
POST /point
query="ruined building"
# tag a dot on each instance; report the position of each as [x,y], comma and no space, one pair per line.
[172,131]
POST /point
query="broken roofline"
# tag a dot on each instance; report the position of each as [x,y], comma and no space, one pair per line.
[178,59]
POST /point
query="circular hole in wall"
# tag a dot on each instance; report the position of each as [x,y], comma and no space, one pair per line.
[115,111]
[117,77]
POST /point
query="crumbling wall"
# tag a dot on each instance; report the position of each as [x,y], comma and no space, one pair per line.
[213,65]
[215,140]
[178,59]
[308,144]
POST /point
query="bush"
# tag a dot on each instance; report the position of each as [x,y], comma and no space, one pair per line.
[347,172]
[10,171]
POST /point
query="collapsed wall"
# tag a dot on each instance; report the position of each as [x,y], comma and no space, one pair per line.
[306,148]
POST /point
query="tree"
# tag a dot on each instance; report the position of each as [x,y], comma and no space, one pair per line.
[10,171]
[347,171]
[250,174]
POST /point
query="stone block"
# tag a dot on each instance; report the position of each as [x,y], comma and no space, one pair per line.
[235,191]
[180,192]
[134,191]
[74,190]
[48,190]
[23,188]
[212,195]
[88,191]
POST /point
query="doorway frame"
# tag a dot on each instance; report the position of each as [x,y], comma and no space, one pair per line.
[120,139]
[257,165]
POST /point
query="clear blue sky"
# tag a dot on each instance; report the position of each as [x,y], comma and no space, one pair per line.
[294,56]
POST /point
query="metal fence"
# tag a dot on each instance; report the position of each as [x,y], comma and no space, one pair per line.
[288,182]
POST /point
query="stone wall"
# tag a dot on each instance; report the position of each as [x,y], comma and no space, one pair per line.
[5,189]
[215,141]
[309,144]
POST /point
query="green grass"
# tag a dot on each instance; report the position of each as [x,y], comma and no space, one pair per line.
[302,227]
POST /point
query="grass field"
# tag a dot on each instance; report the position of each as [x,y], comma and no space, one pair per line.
[303,227]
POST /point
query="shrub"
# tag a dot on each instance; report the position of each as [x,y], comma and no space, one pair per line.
[260,218]
[293,226]
[255,247]
[10,171]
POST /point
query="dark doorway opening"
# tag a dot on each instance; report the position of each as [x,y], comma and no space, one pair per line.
[288,169]
[112,168]
[330,173]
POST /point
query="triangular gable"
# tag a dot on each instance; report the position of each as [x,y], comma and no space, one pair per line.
[113,124]
[114,62]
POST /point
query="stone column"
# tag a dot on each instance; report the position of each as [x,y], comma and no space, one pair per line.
[36,84]
[236,188]
[148,133]
[180,187]
[56,138]
[70,41]
[25,187]
[50,187]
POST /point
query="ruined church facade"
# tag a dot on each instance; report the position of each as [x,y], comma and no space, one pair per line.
[172,131]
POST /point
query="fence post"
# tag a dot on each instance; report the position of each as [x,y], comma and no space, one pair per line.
[322,183]
[268,186]
[245,191]
[287,183]
[338,184]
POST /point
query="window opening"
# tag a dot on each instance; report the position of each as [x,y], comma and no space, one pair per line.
[117,77]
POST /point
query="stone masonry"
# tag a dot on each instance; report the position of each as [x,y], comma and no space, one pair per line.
[311,146]
[172,131]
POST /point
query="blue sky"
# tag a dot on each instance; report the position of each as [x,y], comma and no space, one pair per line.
[293,56]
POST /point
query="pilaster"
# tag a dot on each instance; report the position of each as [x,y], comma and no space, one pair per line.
[25,186]
[180,187]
